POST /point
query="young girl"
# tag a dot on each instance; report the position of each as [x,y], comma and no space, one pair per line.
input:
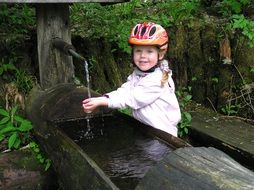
[149,90]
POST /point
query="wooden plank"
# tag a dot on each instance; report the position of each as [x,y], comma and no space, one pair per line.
[62,1]
[232,131]
[194,168]
[233,136]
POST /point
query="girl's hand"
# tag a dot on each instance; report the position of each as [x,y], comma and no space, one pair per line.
[91,104]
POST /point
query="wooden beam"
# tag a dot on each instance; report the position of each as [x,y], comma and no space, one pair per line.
[63,1]
[54,66]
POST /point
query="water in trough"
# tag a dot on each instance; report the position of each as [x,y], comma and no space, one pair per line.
[118,147]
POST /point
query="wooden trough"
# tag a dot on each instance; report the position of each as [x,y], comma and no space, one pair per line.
[185,167]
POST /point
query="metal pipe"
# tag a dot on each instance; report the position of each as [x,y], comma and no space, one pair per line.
[66,48]
[76,55]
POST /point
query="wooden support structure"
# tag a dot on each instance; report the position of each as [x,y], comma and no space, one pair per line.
[53,21]
[55,67]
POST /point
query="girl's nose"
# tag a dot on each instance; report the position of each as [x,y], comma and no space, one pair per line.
[142,53]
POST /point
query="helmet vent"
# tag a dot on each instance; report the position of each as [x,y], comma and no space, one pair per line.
[136,30]
[152,31]
[143,31]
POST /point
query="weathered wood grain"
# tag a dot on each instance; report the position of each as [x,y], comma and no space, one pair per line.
[231,135]
[54,66]
[72,165]
[193,168]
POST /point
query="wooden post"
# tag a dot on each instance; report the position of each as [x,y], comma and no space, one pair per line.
[54,66]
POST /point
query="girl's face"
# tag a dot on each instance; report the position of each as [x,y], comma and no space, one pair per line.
[145,57]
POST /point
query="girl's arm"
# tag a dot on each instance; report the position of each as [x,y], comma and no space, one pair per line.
[145,93]
[90,104]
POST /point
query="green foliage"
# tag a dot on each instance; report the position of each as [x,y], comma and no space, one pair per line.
[6,67]
[252,70]
[229,7]
[14,128]
[230,109]
[17,21]
[215,80]
[245,25]
[39,155]
[115,22]
[17,131]
[17,18]
[23,80]
[184,98]
[233,11]
[126,111]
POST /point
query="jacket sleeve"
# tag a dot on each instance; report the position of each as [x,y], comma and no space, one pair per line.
[116,98]
[144,93]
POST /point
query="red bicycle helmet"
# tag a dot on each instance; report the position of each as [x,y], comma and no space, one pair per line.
[149,34]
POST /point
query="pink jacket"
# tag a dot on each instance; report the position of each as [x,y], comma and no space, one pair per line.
[150,103]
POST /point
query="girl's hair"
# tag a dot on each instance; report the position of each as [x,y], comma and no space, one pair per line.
[165,71]
[164,78]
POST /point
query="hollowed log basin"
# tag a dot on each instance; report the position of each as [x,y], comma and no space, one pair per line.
[110,150]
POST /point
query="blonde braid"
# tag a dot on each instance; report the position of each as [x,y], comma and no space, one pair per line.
[165,72]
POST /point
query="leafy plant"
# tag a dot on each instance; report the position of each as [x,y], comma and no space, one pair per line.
[17,18]
[39,155]
[229,7]
[230,109]
[252,70]
[6,67]
[184,98]
[215,80]
[23,80]
[183,126]
[245,25]
[15,128]
[126,111]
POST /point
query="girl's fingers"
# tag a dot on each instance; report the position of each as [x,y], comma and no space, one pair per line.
[86,101]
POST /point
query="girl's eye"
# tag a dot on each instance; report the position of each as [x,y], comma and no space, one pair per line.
[137,50]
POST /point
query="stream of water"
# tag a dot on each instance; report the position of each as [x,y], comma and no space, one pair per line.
[88,133]
[87,79]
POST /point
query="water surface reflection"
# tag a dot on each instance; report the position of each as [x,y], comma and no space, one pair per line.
[122,151]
